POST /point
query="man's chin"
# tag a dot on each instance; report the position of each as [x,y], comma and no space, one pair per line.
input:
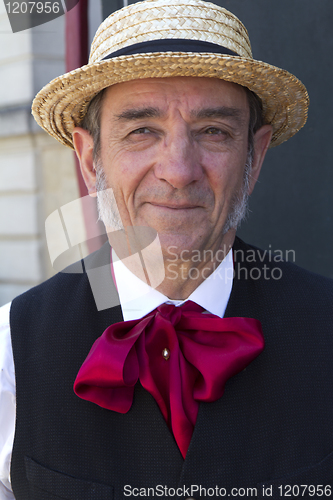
[185,249]
[175,247]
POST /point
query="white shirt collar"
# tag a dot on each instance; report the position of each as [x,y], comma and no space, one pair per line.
[137,298]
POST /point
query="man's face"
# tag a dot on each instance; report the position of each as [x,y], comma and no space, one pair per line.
[174,150]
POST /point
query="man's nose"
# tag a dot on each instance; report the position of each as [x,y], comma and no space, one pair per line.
[179,160]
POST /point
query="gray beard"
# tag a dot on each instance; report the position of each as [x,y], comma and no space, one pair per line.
[108,211]
[239,208]
[107,207]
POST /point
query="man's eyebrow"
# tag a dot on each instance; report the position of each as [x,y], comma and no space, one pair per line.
[150,112]
[221,112]
[138,113]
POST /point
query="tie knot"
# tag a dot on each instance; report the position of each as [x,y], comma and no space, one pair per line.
[170,312]
[191,306]
[174,313]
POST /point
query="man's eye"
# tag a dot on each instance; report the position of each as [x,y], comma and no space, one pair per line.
[142,130]
[213,131]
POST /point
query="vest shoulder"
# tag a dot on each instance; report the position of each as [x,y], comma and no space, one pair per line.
[59,282]
[72,277]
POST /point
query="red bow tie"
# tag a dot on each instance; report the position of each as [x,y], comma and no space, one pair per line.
[181,357]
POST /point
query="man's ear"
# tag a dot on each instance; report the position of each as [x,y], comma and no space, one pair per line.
[261,142]
[84,147]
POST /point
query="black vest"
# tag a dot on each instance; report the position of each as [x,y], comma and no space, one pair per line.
[272,427]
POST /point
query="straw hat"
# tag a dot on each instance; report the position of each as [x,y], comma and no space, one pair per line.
[167,38]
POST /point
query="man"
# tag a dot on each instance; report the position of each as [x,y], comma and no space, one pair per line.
[172,148]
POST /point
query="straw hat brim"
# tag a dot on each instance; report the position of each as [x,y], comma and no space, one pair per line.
[61,105]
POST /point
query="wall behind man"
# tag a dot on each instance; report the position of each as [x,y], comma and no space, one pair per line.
[37,174]
[291,207]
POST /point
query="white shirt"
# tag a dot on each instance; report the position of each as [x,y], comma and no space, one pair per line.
[137,299]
